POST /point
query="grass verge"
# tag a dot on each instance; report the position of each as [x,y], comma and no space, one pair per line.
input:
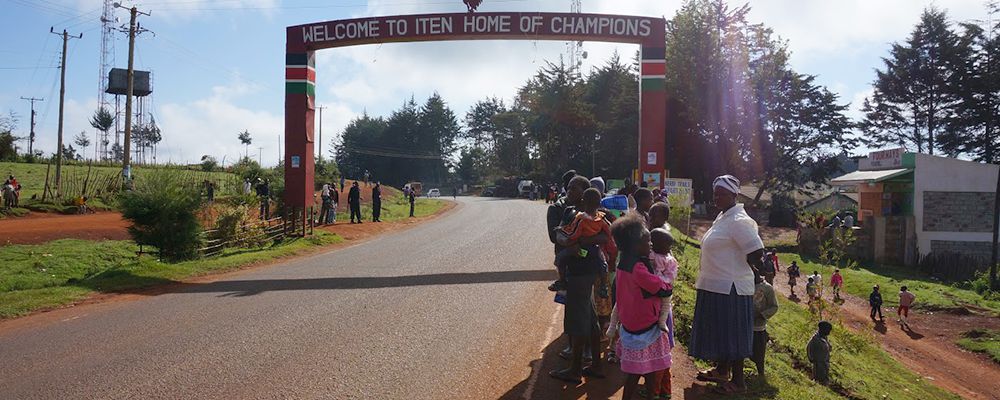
[860,369]
[32,176]
[395,209]
[931,295]
[982,341]
[13,212]
[34,277]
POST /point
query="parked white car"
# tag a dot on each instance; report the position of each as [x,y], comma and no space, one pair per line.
[434,193]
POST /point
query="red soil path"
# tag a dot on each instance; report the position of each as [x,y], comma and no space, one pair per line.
[40,228]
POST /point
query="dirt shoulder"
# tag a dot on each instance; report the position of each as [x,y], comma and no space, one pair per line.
[41,227]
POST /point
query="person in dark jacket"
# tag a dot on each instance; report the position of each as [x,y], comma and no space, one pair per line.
[264,194]
[412,198]
[331,218]
[818,351]
[875,301]
[354,200]
[377,202]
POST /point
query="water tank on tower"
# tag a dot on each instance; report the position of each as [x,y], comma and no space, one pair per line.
[118,82]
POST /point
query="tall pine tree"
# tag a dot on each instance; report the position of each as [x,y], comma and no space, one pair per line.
[916,93]
[974,130]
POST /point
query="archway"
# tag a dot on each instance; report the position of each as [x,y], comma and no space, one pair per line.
[302,41]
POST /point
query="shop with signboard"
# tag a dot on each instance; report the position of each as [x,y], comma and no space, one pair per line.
[915,205]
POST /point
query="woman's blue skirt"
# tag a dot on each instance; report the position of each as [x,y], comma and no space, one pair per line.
[723,326]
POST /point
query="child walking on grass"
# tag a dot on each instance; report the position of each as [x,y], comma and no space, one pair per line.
[643,346]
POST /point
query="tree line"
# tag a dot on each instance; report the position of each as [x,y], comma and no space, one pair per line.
[939,90]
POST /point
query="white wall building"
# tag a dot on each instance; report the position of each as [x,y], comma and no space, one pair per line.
[918,204]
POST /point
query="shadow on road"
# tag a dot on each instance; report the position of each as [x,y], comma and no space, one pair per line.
[539,385]
[239,288]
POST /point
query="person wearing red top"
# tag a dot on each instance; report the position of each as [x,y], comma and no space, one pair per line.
[836,281]
[643,348]
[17,190]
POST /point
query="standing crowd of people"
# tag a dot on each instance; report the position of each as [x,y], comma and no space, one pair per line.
[330,201]
[616,274]
[10,192]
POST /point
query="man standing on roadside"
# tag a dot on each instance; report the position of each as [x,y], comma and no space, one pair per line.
[264,194]
[413,198]
[334,200]
[377,202]
[354,201]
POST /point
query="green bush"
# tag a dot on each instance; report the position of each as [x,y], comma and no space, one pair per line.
[680,212]
[981,284]
[162,209]
[236,228]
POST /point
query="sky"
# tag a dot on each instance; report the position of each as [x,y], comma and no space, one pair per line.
[218,65]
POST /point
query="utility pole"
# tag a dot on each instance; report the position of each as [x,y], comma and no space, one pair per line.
[62,95]
[321,108]
[133,12]
[31,136]
[260,155]
[993,7]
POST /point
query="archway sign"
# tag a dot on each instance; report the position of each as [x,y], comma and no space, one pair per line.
[304,40]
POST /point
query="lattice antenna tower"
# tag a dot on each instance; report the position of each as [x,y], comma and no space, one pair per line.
[574,49]
[108,21]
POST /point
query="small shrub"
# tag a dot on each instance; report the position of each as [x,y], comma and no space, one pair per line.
[834,251]
[163,211]
[981,285]
[237,228]
[680,212]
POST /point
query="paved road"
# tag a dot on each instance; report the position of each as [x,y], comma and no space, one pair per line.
[454,308]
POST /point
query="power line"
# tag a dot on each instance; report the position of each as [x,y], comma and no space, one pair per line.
[236,5]
[28,67]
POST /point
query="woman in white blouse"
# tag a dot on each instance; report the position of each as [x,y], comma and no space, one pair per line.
[731,253]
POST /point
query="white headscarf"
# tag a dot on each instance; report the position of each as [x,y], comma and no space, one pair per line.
[326,189]
[727,182]
[598,183]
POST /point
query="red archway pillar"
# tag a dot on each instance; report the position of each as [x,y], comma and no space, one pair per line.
[300,96]
[652,113]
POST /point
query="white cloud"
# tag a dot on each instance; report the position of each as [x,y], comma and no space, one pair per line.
[825,28]
[378,78]
[858,101]
[210,126]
